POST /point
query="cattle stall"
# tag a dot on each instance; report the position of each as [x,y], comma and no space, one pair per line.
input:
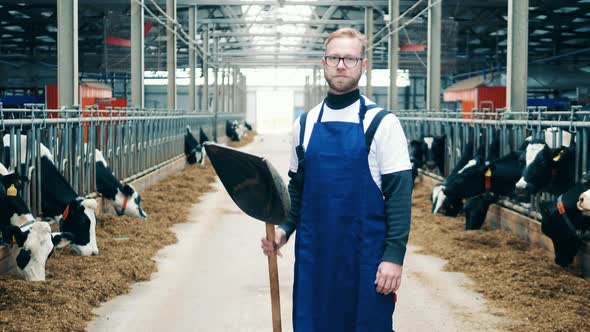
[495,134]
[134,142]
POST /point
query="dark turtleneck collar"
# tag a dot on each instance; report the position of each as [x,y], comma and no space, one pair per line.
[337,102]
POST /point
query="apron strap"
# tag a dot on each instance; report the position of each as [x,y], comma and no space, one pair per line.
[363,108]
[370,134]
[300,150]
[302,120]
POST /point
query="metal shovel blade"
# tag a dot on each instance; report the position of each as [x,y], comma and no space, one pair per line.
[252,183]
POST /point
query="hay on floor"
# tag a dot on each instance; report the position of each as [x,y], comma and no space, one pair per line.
[75,285]
[538,295]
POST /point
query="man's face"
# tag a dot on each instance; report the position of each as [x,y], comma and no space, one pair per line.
[340,78]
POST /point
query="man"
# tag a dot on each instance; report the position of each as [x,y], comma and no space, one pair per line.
[352,207]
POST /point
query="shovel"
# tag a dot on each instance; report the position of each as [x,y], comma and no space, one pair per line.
[258,190]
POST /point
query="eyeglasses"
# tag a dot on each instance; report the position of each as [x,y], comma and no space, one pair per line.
[349,62]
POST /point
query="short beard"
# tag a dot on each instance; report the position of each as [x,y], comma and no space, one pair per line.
[344,86]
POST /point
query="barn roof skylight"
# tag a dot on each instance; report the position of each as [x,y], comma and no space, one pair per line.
[258,13]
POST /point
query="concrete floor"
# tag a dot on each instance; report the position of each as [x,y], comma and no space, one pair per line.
[216,278]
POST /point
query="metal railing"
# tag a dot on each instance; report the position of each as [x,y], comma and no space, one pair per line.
[512,128]
[131,140]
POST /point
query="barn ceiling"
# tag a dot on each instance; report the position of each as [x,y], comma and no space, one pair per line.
[291,33]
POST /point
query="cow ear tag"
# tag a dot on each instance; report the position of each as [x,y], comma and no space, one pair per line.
[556,158]
[488,178]
[11,191]
[13,240]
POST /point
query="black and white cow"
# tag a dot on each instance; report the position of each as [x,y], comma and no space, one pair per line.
[43,150]
[476,209]
[231,130]
[435,153]
[417,150]
[547,170]
[478,177]
[563,218]
[31,242]
[202,136]
[14,210]
[447,205]
[427,153]
[76,215]
[193,150]
[60,202]
[124,198]
[247,125]
[452,205]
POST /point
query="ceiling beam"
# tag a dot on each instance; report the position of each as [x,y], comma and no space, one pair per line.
[269,34]
[287,3]
[327,15]
[277,21]
[253,53]
[355,3]
[249,45]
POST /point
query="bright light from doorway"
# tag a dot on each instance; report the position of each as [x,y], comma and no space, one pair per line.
[271,77]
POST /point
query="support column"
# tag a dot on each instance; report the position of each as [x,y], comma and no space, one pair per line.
[137,55]
[238,93]
[314,87]
[229,92]
[321,85]
[222,96]
[230,88]
[215,86]
[517,57]
[392,97]
[67,53]
[192,60]
[307,95]
[369,51]
[244,85]
[205,69]
[433,66]
[171,53]
[235,90]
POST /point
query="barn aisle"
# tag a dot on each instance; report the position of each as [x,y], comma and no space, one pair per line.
[215,278]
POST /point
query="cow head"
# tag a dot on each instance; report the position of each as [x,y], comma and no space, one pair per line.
[12,179]
[547,169]
[438,197]
[417,155]
[566,242]
[128,202]
[195,152]
[124,198]
[79,219]
[537,158]
[583,203]
[31,246]
[14,209]
[232,130]
[446,205]
[468,181]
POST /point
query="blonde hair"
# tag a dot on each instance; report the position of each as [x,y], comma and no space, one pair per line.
[348,33]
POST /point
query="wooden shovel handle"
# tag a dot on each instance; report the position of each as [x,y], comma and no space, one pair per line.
[273,274]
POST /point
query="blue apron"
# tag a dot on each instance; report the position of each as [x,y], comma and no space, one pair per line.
[341,235]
